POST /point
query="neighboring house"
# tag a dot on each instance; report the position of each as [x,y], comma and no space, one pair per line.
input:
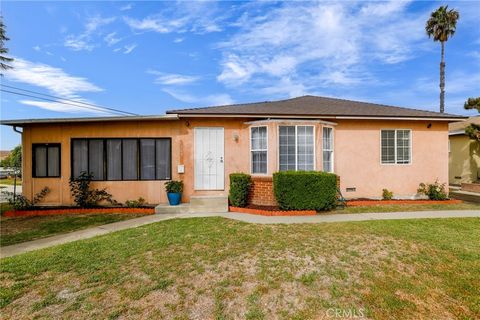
[464,154]
[370,146]
[4,154]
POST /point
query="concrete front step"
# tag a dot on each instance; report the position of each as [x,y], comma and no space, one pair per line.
[166,208]
[198,204]
[465,196]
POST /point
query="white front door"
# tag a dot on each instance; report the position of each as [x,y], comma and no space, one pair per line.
[209,158]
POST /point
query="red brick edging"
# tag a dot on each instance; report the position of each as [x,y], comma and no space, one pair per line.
[367,203]
[48,212]
[273,213]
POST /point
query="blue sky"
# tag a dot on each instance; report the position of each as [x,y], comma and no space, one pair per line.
[148,57]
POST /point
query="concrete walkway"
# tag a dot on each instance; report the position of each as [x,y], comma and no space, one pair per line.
[15,249]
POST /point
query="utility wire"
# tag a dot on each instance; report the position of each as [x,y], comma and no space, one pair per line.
[95,107]
[51,100]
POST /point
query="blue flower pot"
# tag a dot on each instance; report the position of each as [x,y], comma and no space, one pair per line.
[174,198]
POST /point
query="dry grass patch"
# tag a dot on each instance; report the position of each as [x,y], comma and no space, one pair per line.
[213,268]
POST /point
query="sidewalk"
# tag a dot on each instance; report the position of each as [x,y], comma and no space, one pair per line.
[20,248]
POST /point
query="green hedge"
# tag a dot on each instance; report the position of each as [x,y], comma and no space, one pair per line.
[305,190]
[239,187]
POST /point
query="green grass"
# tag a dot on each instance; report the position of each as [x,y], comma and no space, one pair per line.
[218,268]
[408,207]
[21,229]
[10,181]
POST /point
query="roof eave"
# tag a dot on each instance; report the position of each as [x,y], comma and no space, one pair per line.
[24,122]
[342,117]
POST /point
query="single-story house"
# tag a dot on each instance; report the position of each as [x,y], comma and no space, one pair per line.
[464,154]
[369,146]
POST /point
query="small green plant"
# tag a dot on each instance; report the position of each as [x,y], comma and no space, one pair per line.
[20,202]
[174,186]
[434,191]
[239,188]
[387,194]
[140,202]
[83,196]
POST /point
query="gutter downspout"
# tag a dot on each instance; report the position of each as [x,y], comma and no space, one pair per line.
[15,171]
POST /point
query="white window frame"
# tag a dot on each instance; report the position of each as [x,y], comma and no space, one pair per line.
[251,151]
[296,144]
[395,148]
[332,149]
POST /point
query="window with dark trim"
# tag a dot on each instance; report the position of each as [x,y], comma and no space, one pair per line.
[122,159]
[46,160]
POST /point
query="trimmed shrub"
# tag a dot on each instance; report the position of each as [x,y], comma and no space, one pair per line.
[305,190]
[239,187]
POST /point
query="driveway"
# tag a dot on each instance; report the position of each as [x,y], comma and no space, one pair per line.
[8,188]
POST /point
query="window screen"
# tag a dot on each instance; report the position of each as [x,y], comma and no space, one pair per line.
[114,159]
[147,156]
[130,160]
[95,159]
[46,160]
[123,159]
[163,157]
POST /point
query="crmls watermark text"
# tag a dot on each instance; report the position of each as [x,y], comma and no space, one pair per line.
[346,313]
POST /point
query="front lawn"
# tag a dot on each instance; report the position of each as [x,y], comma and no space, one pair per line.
[408,207]
[11,181]
[206,268]
[21,229]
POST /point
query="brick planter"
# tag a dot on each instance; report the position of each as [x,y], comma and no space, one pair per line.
[471,187]
[261,192]
[273,213]
[49,212]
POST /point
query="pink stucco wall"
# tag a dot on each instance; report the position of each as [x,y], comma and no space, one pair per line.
[356,160]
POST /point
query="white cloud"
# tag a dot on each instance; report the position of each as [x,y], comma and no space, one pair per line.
[178,40]
[56,81]
[198,17]
[307,46]
[111,39]
[84,40]
[37,48]
[126,7]
[129,48]
[171,78]
[209,100]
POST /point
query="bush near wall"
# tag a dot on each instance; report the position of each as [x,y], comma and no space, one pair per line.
[239,187]
[305,190]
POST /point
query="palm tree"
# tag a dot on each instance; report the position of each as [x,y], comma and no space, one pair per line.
[441,26]
[3,50]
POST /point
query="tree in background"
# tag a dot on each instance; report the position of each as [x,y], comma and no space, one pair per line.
[441,26]
[4,60]
[473,130]
[14,159]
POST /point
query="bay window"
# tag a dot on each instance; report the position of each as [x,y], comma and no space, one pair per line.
[327,149]
[258,149]
[296,148]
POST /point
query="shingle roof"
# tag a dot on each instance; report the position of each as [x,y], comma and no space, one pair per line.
[315,106]
[460,126]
